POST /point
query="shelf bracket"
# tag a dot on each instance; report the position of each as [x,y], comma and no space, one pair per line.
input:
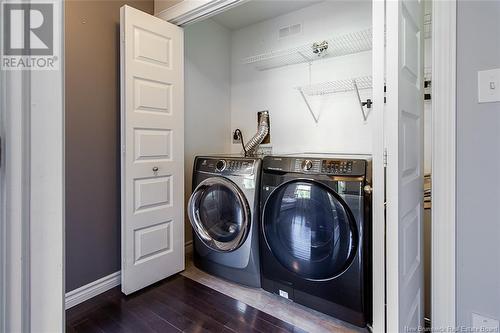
[316,119]
[362,104]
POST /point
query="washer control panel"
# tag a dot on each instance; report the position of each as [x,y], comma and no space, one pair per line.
[307,165]
[225,166]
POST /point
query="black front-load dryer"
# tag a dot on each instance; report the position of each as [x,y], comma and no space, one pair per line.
[315,233]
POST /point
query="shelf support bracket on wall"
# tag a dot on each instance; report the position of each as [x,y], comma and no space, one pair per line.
[316,118]
[339,86]
[362,104]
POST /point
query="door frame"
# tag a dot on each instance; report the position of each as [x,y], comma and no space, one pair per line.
[188,12]
[443,158]
[32,206]
[379,259]
[443,248]
[14,108]
[33,212]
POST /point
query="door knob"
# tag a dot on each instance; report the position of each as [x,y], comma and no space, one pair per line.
[155,169]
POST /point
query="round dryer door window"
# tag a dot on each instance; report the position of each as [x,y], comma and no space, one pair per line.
[310,230]
[219,214]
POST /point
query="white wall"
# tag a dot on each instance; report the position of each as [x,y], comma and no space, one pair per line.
[341,127]
[478,164]
[207,94]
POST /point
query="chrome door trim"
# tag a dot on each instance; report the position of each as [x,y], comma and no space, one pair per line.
[194,215]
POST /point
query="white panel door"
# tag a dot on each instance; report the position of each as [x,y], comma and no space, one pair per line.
[152,134]
[404,143]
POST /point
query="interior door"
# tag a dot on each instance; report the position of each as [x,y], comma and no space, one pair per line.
[152,134]
[404,144]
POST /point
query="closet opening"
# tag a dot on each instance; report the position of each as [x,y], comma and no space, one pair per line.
[309,65]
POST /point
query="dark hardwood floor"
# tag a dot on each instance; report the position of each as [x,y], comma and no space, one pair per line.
[176,304]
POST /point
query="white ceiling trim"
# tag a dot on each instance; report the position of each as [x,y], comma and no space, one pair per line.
[188,12]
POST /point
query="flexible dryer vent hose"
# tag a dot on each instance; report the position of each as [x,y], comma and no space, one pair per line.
[262,131]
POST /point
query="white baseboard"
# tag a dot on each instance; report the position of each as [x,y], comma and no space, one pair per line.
[97,287]
[92,289]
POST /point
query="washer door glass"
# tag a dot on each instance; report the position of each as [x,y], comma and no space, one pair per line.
[310,229]
[219,214]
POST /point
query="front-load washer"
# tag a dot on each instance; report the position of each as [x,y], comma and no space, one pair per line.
[315,233]
[223,211]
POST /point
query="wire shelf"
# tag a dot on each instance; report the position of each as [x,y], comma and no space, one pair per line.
[350,43]
[331,87]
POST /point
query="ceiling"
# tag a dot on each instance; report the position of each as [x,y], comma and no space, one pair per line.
[255,11]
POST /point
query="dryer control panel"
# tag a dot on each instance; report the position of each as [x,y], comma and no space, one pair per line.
[324,166]
[225,166]
[337,167]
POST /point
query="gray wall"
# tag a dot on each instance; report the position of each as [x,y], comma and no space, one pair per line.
[207,95]
[92,138]
[478,164]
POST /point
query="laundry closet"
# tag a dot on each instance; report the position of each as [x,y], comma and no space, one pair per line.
[310,77]
[307,63]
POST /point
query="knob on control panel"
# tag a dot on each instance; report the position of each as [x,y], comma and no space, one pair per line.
[221,165]
[307,165]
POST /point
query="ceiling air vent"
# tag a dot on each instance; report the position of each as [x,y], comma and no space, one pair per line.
[290,30]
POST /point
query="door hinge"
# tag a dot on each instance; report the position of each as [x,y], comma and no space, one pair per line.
[385,157]
[123,149]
